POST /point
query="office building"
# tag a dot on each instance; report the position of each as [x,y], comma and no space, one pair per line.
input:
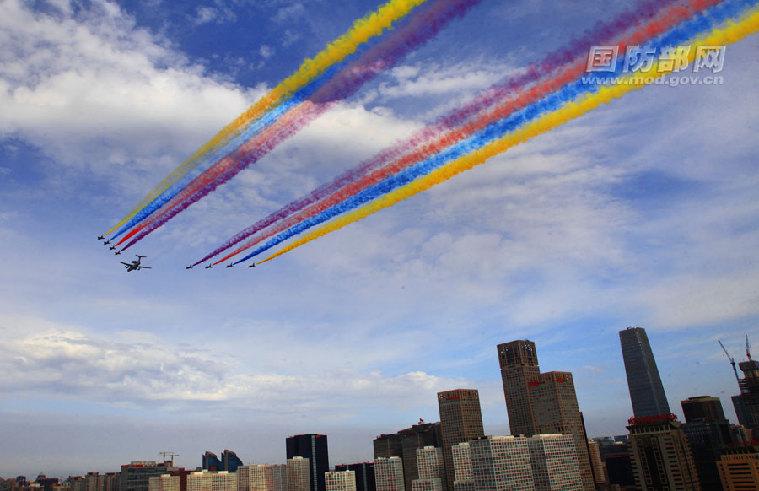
[460,421]
[314,448]
[519,366]
[210,462]
[388,474]
[661,456]
[164,482]
[134,476]
[739,469]
[747,402]
[643,381]
[230,461]
[708,433]
[405,443]
[554,463]
[340,481]
[299,474]
[542,403]
[364,472]
[501,463]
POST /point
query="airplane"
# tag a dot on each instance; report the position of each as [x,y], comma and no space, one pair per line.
[252,265]
[101,237]
[209,266]
[118,253]
[113,248]
[107,242]
[230,265]
[135,265]
[188,267]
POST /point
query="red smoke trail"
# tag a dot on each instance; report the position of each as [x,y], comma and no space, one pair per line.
[421,28]
[663,23]
[599,35]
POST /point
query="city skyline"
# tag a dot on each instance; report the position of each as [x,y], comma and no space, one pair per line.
[639,213]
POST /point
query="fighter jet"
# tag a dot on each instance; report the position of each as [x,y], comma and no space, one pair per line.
[101,237]
[230,265]
[209,266]
[252,265]
[135,265]
[107,242]
[113,248]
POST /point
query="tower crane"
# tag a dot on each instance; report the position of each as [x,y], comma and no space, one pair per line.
[168,456]
[732,360]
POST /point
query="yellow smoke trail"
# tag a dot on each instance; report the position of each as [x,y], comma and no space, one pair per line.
[361,31]
[732,33]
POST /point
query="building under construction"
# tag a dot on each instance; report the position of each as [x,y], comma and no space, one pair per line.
[747,402]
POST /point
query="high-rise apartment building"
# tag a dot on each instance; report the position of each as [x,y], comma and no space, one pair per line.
[501,463]
[599,472]
[134,476]
[340,481]
[661,455]
[519,367]
[364,472]
[314,448]
[739,469]
[212,481]
[164,482]
[542,403]
[262,477]
[405,443]
[299,474]
[460,421]
[435,484]
[643,381]
[462,462]
[429,462]
[388,474]
[709,434]
[554,463]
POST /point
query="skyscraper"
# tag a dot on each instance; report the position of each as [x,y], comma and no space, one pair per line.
[262,477]
[542,402]
[210,462]
[230,461]
[519,366]
[554,463]
[405,443]
[364,475]
[340,481]
[388,474]
[460,421]
[212,481]
[299,474]
[599,473]
[643,381]
[314,448]
[134,476]
[708,433]
[501,463]
[429,462]
[661,456]
[747,402]
[739,469]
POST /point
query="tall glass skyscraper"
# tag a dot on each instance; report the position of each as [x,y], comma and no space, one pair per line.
[314,448]
[643,381]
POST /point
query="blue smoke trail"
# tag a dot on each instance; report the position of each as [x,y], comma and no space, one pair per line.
[266,120]
[704,22]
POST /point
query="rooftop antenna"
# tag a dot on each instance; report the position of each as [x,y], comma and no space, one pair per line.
[748,348]
[732,361]
[168,456]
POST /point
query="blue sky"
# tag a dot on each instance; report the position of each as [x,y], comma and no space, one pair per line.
[642,213]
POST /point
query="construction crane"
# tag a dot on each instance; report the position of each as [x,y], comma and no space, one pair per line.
[748,349]
[168,456]
[732,361]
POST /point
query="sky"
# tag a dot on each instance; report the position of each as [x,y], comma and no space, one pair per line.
[643,212]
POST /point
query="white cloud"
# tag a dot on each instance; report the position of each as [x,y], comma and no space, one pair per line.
[139,367]
[96,91]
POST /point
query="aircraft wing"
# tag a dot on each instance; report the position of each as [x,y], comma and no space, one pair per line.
[126,264]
